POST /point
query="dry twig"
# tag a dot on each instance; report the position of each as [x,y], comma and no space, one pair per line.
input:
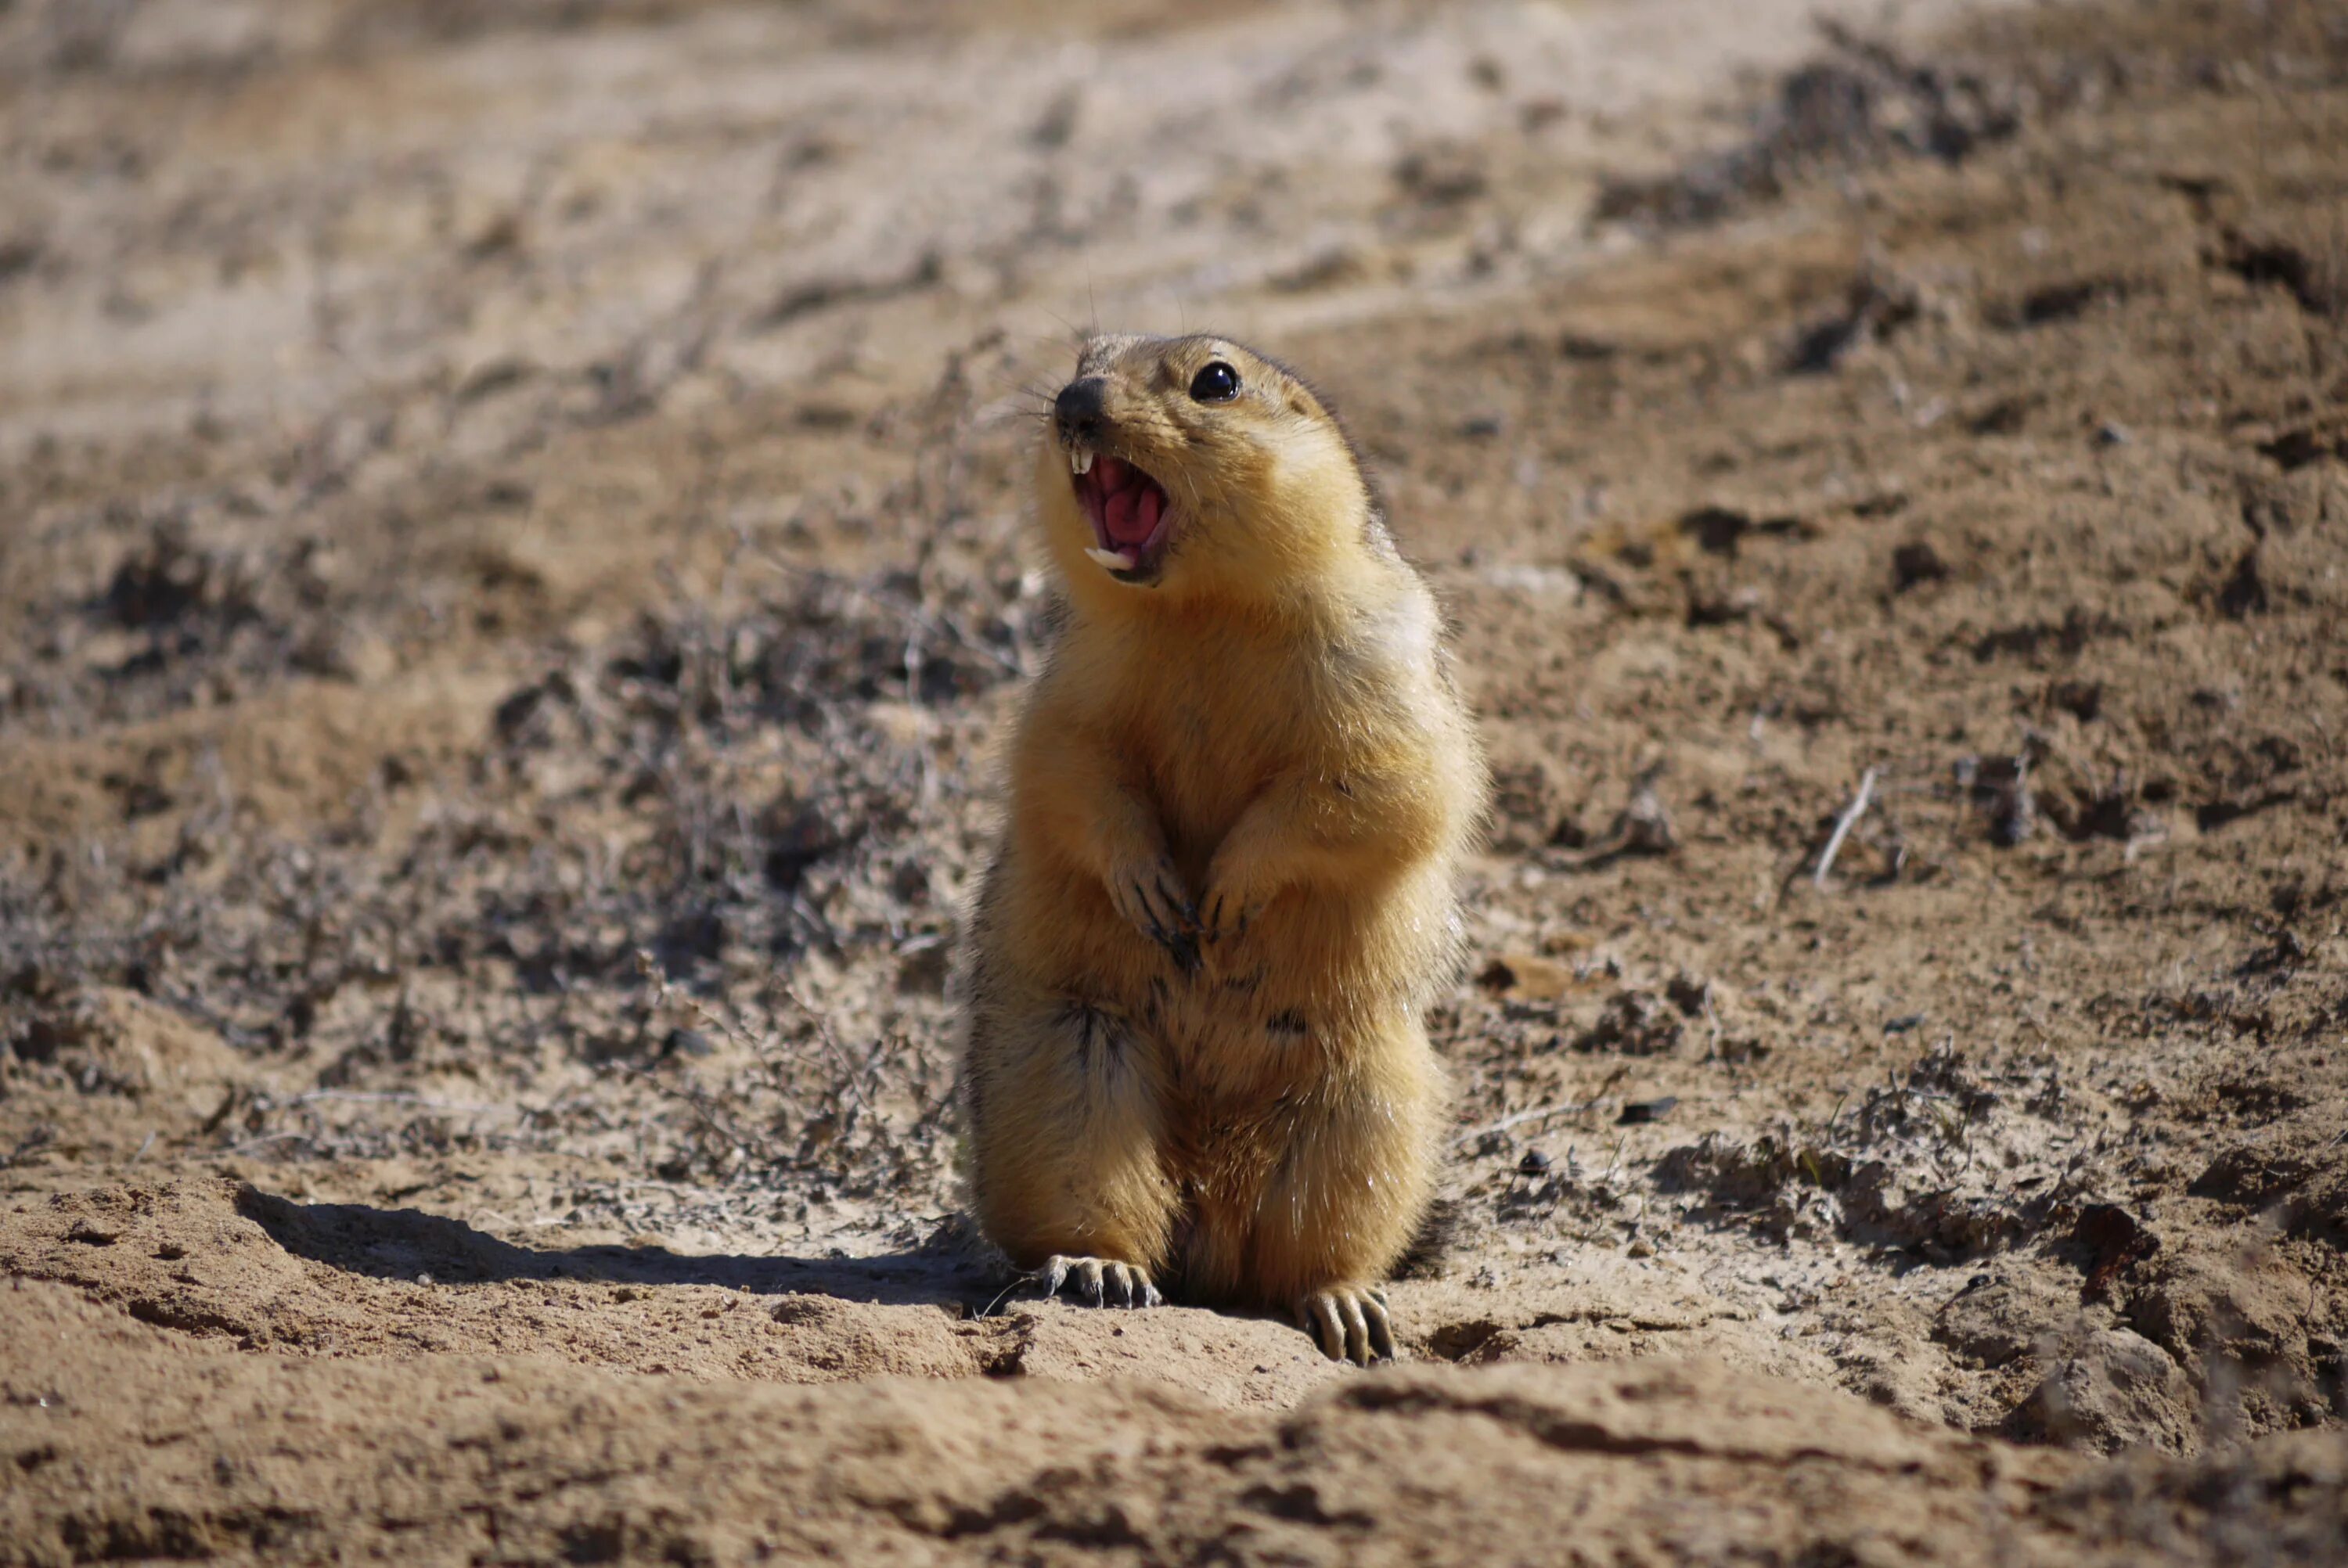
[1843,823]
[1541,1112]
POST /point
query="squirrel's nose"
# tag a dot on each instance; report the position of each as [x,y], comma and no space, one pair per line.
[1078,409]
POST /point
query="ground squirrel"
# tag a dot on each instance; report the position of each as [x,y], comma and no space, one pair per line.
[1241,794]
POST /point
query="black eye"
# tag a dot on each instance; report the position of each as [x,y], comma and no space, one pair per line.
[1219,383]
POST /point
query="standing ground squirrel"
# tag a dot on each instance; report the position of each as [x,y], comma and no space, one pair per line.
[1241,794]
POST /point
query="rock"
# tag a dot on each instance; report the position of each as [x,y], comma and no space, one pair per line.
[2319,1211]
[2114,1240]
[2003,1316]
[2250,1309]
[1635,1023]
[2108,1390]
[1526,977]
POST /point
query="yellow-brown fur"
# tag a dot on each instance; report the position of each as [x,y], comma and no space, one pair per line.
[1263,754]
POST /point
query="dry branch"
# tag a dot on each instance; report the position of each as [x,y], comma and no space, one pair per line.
[1843,823]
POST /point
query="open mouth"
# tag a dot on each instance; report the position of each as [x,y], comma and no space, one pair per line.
[1130,514]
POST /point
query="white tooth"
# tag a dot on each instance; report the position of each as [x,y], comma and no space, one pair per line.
[1080,461]
[1111,560]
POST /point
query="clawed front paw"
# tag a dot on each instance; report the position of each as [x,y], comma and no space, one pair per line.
[1225,916]
[1350,1322]
[1149,896]
[1099,1281]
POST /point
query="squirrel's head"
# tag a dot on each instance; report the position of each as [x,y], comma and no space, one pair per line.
[1193,465]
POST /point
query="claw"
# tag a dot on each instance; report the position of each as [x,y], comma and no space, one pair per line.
[1173,922]
[1357,1331]
[1226,918]
[1349,1324]
[1329,1329]
[1099,1282]
[1382,1339]
[1183,949]
[1124,1285]
[1152,901]
[1185,912]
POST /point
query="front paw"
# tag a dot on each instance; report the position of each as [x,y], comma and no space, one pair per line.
[1226,912]
[1350,1322]
[1099,1281]
[1149,896]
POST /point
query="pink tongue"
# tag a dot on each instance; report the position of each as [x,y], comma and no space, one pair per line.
[1130,514]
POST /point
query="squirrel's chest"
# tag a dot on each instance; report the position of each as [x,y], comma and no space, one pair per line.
[1204,740]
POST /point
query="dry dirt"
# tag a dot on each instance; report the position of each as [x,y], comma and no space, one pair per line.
[511,571]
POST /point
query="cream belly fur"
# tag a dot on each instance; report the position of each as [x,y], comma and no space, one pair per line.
[1240,792]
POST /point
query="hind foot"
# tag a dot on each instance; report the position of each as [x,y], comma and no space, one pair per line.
[1350,1322]
[1099,1281]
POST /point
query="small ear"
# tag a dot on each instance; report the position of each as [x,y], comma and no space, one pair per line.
[1297,406]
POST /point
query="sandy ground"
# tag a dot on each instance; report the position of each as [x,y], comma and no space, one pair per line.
[511,573]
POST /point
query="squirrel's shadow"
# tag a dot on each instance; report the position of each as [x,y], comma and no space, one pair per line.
[951,1272]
